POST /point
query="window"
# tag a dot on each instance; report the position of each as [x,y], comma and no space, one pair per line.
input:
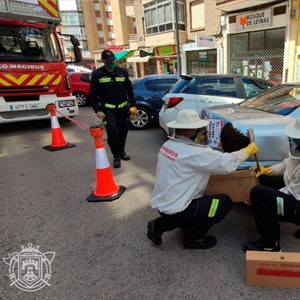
[150,86]
[224,87]
[72,18]
[161,85]
[253,87]
[28,44]
[197,15]
[160,16]
[86,77]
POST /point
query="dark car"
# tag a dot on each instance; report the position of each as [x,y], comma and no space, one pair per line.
[148,93]
[80,87]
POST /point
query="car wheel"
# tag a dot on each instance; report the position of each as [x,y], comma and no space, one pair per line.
[143,121]
[82,98]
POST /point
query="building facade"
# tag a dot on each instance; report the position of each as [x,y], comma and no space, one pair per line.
[261,39]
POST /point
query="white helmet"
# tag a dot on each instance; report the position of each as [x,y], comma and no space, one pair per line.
[187,119]
[292,131]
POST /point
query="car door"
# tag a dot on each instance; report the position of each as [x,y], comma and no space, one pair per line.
[216,90]
[155,90]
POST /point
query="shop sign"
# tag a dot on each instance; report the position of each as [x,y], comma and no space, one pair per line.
[253,20]
[166,50]
[188,46]
[205,41]
[115,49]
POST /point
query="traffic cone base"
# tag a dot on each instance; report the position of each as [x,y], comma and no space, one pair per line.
[93,198]
[50,148]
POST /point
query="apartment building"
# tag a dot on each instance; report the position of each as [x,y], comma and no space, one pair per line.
[261,38]
[98,24]
[155,43]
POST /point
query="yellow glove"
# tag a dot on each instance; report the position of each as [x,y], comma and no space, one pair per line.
[133,110]
[251,149]
[263,170]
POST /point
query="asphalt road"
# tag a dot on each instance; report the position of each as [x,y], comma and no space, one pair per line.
[101,249]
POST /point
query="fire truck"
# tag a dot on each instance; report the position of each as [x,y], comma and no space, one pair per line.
[33,70]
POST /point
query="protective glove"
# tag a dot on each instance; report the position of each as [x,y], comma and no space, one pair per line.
[133,110]
[100,114]
[251,149]
[263,170]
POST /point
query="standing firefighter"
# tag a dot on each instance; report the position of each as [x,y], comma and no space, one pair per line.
[270,206]
[110,92]
[182,176]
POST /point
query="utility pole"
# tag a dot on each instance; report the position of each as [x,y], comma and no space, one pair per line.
[177,40]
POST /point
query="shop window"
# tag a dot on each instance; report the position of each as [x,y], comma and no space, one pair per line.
[257,40]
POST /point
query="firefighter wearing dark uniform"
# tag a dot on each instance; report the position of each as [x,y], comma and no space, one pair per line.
[111,94]
[271,206]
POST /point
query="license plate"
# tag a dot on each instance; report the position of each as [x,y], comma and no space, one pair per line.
[24,106]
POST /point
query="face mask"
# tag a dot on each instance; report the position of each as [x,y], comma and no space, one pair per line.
[110,65]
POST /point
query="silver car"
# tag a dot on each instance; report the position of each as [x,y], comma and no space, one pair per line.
[267,114]
[200,91]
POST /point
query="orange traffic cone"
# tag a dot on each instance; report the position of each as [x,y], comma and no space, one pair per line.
[106,188]
[58,141]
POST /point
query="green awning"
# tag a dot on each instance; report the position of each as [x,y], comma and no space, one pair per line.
[122,54]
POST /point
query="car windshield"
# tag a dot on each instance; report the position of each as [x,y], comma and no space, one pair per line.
[282,99]
[20,43]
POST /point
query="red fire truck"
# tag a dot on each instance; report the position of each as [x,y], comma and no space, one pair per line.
[33,70]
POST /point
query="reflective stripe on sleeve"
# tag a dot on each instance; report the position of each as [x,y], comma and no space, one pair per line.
[280,206]
[121,79]
[54,122]
[101,159]
[122,104]
[213,208]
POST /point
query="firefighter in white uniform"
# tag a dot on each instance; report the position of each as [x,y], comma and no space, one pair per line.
[182,176]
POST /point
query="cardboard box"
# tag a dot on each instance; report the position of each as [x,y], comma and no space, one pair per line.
[237,185]
[275,269]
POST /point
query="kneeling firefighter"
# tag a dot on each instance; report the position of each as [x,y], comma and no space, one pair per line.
[270,206]
[182,175]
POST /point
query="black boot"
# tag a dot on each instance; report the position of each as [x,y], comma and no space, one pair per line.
[260,245]
[117,161]
[124,156]
[155,230]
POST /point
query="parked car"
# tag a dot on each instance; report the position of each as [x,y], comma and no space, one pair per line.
[148,93]
[72,69]
[267,114]
[80,87]
[200,91]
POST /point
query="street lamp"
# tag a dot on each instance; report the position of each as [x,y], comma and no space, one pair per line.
[177,40]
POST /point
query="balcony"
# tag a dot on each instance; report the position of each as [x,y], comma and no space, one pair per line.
[129,5]
[233,5]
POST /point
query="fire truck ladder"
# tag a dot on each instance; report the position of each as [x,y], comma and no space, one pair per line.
[28,12]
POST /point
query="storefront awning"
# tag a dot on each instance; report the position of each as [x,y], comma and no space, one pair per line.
[122,54]
[138,59]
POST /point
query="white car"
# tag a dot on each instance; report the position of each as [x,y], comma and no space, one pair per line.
[73,69]
[200,91]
